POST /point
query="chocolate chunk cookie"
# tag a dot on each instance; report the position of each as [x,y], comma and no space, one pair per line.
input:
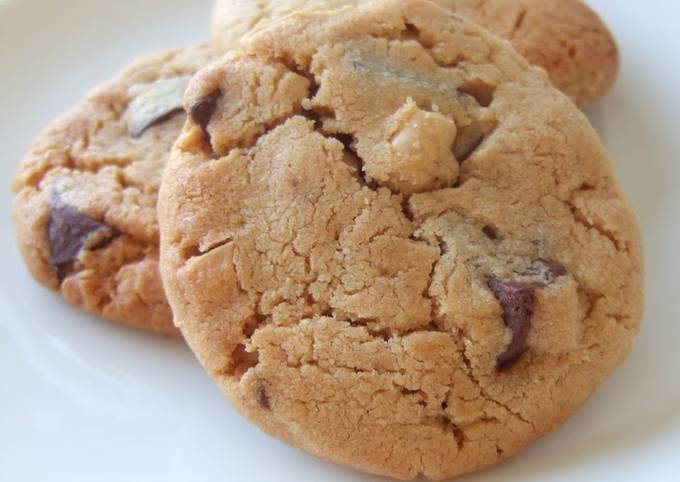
[85,204]
[392,243]
[564,37]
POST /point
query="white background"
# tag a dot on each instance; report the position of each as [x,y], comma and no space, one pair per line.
[85,400]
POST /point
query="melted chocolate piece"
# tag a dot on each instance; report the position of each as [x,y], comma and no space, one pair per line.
[517,301]
[69,232]
[158,103]
[202,110]
[263,398]
[490,232]
[546,271]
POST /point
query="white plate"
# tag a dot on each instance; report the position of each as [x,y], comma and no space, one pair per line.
[85,400]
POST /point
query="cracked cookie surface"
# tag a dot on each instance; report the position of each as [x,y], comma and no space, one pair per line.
[85,203]
[564,37]
[392,243]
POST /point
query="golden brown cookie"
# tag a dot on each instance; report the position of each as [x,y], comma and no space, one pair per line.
[564,37]
[392,243]
[85,204]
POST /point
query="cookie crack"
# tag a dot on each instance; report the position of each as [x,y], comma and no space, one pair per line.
[581,219]
[519,21]
[107,298]
[470,372]
[412,33]
[71,163]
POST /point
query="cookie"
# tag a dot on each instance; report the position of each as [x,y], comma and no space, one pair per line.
[85,203]
[393,244]
[564,37]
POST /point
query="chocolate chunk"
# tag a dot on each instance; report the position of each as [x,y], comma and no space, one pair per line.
[490,232]
[69,232]
[157,103]
[546,272]
[517,301]
[202,110]
[263,398]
